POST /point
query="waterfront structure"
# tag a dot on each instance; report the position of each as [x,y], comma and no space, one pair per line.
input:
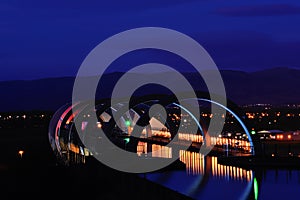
[70,148]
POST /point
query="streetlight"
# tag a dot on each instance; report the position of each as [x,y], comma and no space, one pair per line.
[21,152]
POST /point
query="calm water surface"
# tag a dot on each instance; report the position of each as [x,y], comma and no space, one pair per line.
[205,178]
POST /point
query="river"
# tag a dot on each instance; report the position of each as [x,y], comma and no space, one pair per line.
[204,178]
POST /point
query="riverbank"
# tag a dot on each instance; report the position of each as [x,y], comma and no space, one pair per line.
[37,175]
[36,180]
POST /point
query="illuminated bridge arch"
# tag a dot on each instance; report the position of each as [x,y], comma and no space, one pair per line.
[62,132]
[236,117]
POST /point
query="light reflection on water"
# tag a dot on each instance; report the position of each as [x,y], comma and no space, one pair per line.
[203,177]
[197,163]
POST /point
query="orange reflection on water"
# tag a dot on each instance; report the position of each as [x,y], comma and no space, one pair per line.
[195,164]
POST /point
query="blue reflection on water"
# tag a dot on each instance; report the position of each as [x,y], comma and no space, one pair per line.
[194,186]
[272,184]
[176,180]
[279,184]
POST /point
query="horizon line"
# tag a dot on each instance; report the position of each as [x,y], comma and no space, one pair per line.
[120,71]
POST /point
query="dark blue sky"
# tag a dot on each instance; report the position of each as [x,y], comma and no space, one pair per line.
[50,38]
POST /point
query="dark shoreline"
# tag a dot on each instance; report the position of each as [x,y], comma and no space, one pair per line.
[37,173]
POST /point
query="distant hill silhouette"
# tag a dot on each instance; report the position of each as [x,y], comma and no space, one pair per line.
[274,86]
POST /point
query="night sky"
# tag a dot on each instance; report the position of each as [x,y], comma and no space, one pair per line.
[51,38]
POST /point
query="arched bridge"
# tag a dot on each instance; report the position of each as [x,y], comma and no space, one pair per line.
[131,125]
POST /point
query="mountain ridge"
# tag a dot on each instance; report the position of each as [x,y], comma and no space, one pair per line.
[272,86]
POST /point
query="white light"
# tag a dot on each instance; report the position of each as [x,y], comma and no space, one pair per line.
[21,152]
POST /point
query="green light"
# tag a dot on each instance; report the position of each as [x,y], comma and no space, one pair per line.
[126,140]
[253,132]
[127,123]
[255,188]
